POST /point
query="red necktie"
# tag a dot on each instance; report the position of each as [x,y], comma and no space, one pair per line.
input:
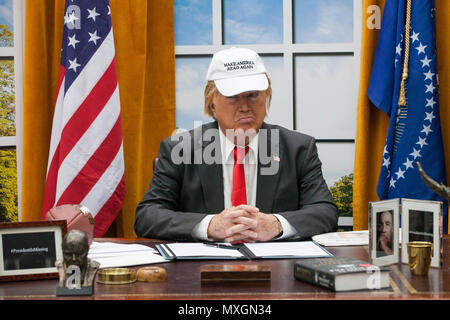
[238,194]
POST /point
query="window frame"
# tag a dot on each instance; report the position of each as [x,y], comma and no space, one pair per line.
[289,51]
[17,54]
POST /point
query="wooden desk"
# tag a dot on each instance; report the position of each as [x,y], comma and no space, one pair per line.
[183,283]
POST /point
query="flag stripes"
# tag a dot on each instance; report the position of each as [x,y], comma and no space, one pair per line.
[86,164]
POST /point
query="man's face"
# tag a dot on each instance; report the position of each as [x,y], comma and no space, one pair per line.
[75,254]
[386,224]
[243,111]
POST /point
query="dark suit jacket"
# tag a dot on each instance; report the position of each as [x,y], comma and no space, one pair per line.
[180,195]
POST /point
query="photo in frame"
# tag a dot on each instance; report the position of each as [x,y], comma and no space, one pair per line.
[384,219]
[28,250]
[422,221]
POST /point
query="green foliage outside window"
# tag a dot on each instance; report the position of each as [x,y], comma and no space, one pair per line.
[342,192]
[8,163]
[6,36]
[8,185]
[7,97]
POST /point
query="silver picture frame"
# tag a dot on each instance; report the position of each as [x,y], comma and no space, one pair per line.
[422,221]
[384,220]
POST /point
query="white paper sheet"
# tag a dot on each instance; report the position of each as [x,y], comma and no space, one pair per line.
[306,249]
[111,249]
[114,255]
[129,260]
[346,238]
[200,250]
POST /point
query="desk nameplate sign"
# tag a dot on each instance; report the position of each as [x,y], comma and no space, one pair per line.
[229,274]
[28,250]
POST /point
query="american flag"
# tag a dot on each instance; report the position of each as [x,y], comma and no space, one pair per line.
[86,164]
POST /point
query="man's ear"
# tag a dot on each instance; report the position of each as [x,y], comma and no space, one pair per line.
[212,106]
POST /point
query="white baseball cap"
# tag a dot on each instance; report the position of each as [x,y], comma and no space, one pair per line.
[237,70]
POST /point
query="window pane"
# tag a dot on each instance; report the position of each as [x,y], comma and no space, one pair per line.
[280,111]
[253,21]
[323,21]
[325,96]
[7,106]
[190,84]
[193,22]
[337,160]
[8,185]
[6,23]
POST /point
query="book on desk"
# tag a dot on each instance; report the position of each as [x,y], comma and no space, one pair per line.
[249,251]
[342,274]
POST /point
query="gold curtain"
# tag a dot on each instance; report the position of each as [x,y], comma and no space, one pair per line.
[372,124]
[144,41]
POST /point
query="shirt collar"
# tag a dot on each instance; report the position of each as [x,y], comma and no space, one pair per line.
[227,146]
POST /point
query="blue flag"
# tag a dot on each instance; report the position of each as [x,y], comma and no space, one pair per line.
[414,133]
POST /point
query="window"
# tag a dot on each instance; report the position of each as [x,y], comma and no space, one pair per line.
[11,71]
[311,49]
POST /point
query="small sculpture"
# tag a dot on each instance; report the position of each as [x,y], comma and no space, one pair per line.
[76,271]
[439,188]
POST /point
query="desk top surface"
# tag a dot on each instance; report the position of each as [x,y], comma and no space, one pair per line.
[183,282]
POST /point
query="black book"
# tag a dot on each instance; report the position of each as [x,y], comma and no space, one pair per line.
[341,273]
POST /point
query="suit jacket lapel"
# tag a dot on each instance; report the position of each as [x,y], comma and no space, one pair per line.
[211,175]
[267,183]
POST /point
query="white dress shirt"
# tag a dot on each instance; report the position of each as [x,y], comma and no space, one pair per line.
[251,175]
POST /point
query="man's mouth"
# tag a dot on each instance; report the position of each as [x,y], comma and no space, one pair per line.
[246,120]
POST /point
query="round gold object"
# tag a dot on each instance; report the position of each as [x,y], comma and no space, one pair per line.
[151,274]
[116,276]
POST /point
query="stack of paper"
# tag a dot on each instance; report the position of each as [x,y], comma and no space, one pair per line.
[346,238]
[113,255]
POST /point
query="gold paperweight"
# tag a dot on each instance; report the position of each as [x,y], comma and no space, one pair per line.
[116,276]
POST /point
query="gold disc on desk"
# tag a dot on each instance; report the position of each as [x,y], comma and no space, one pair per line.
[116,276]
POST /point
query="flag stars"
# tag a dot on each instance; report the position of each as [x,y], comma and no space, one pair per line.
[415,153]
[92,14]
[426,129]
[430,116]
[70,18]
[73,41]
[408,164]
[386,162]
[398,49]
[429,75]
[415,37]
[392,182]
[426,62]
[422,142]
[430,88]
[431,102]
[74,65]
[400,174]
[421,48]
[93,37]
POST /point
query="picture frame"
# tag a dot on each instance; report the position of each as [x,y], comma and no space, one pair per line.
[28,250]
[422,221]
[384,220]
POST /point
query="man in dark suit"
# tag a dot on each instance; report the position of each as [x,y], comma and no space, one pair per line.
[237,178]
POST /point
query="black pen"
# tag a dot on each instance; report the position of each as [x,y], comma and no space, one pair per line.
[222,246]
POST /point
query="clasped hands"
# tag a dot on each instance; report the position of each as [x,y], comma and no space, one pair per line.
[243,223]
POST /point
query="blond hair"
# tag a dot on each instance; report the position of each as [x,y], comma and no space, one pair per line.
[211,90]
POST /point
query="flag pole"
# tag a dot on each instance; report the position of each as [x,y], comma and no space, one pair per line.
[402,98]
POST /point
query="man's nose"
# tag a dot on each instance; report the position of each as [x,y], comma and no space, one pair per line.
[243,104]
